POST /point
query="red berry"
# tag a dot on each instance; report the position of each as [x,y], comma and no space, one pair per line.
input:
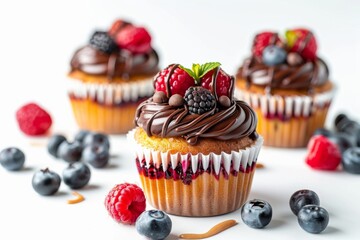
[179,81]
[117,26]
[303,42]
[323,154]
[134,39]
[125,202]
[33,120]
[262,40]
[223,83]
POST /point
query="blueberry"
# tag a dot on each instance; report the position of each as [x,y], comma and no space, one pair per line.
[54,143]
[96,155]
[96,138]
[273,55]
[301,198]
[313,218]
[70,152]
[154,224]
[12,159]
[256,213]
[80,136]
[324,132]
[46,182]
[76,175]
[343,140]
[351,160]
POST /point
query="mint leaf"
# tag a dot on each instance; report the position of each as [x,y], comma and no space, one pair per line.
[207,67]
[196,69]
[291,38]
[189,71]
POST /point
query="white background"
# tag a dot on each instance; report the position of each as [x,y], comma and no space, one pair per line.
[37,39]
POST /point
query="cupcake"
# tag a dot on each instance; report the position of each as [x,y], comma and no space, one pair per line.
[110,76]
[287,85]
[196,145]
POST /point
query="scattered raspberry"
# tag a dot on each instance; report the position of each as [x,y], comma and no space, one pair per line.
[134,39]
[223,83]
[323,154]
[33,120]
[199,100]
[117,26]
[125,202]
[262,40]
[179,81]
[303,42]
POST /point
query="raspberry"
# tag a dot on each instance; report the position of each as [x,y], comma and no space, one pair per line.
[303,42]
[33,120]
[323,154]
[103,42]
[199,100]
[125,202]
[262,40]
[223,83]
[117,26]
[134,39]
[179,81]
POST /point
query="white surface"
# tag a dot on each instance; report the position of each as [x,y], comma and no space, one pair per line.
[37,41]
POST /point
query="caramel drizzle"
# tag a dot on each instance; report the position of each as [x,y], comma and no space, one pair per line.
[213,231]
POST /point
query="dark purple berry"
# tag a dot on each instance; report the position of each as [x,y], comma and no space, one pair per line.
[103,42]
[54,143]
[351,160]
[349,126]
[46,182]
[12,159]
[80,136]
[96,155]
[256,213]
[313,218]
[199,100]
[154,224]
[96,139]
[70,152]
[76,175]
[342,140]
[301,198]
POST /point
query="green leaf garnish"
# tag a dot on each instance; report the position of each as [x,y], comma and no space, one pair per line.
[198,71]
[207,67]
[291,38]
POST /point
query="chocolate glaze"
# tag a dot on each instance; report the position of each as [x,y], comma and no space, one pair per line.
[121,63]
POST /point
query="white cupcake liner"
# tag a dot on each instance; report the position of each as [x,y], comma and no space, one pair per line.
[111,93]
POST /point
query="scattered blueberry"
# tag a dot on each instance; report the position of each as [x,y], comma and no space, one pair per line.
[54,143]
[351,160]
[346,125]
[81,135]
[301,198]
[70,152]
[46,182]
[256,213]
[12,159]
[76,175]
[96,138]
[96,155]
[323,131]
[313,218]
[273,55]
[154,224]
[342,140]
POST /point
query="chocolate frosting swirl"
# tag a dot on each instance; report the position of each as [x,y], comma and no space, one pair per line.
[121,63]
[304,76]
[163,120]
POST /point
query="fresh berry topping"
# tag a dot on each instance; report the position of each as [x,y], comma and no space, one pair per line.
[323,154]
[313,219]
[96,139]
[76,175]
[199,100]
[54,143]
[351,160]
[154,224]
[301,198]
[80,136]
[103,42]
[33,120]
[273,55]
[303,42]
[12,159]
[117,26]
[46,182]
[134,39]
[223,83]
[256,213]
[160,97]
[179,80]
[70,152]
[125,202]
[96,155]
[262,40]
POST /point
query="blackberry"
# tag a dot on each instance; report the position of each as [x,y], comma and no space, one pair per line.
[103,42]
[199,100]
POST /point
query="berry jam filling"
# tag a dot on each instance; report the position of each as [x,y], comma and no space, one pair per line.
[183,171]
